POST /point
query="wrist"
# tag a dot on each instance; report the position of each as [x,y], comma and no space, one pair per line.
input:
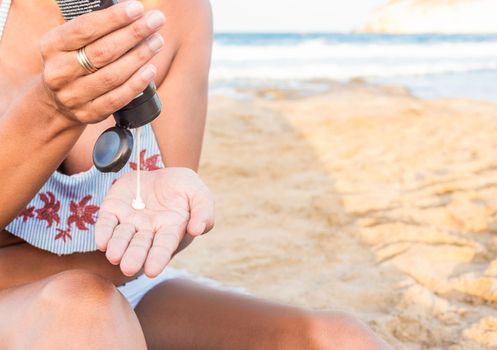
[35,115]
[181,165]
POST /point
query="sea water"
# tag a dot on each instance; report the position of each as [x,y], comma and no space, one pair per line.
[429,65]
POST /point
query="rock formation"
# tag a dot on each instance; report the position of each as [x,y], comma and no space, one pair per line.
[434,16]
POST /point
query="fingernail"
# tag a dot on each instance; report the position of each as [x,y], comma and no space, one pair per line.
[203,226]
[156,42]
[134,9]
[148,72]
[155,19]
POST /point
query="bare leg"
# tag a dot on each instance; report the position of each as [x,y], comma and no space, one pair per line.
[70,310]
[179,314]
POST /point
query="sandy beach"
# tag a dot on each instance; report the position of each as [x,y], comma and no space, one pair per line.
[363,199]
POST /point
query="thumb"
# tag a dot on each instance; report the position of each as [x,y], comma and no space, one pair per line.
[201,214]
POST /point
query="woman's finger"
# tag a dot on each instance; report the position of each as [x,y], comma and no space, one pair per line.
[165,243]
[110,47]
[201,214]
[92,86]
[118,98]
[136,253]
[106,223]
[119,242]
[89,27]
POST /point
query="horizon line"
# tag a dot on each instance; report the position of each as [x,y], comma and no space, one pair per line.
[237,32]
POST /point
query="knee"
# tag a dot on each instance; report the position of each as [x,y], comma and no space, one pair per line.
[318,331]
[83,303]
[84,309]
[78,290]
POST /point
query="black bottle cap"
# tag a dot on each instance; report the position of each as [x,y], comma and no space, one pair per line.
[113,150]
[141,111]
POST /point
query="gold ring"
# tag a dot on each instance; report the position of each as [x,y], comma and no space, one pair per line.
[85,62]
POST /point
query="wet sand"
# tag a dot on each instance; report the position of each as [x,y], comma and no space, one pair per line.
[362,199]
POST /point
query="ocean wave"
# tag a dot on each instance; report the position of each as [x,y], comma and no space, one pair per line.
[319,49]
[320,58]
[333,72]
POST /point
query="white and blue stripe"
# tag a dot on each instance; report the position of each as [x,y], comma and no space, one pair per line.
[4,12]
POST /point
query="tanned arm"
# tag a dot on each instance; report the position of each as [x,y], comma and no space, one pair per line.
[183,72]
[35,139]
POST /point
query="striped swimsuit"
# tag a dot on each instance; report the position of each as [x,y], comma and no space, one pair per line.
[4,11]
[61,218]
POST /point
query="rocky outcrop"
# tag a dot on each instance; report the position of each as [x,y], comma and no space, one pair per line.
[434,16]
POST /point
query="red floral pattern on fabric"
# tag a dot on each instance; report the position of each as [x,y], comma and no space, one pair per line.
[27,213]
[82,213]
[50,210]
[64,234]
[148,164]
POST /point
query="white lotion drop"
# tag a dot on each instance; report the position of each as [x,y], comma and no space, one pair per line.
[138,202]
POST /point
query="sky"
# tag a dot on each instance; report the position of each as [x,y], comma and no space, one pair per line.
[290,15]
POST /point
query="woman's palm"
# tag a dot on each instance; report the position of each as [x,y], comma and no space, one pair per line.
[176,202]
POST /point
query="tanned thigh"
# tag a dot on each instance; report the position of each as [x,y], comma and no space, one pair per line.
[179,314]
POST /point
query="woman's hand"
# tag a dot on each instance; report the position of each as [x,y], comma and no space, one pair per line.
[177,204]
[119,41]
